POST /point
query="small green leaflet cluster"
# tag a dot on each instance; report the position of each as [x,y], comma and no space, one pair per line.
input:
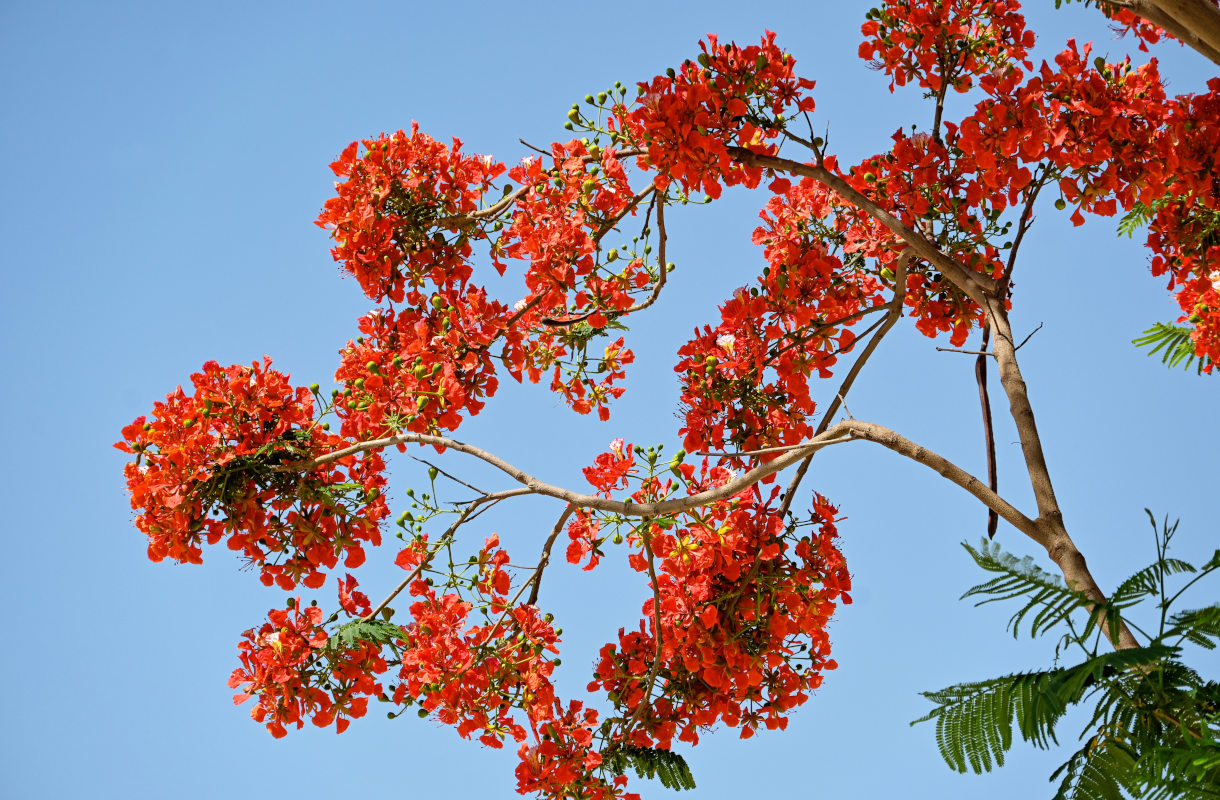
[374,631]
[1176,344]
[1154,732]
[1172,341]
[648,762]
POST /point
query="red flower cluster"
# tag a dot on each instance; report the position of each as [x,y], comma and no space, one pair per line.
[946,43]
[401,215]
[747,381]
[1115,142]
[475,676]
[286,662]
[609,471]
[422,369]
[561,762]
[733,96]
[735,629]
[743,610]
[216,463]
[559,220]
[557,226]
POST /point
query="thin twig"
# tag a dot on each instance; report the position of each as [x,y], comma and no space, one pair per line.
[546,553]
[745,453]
[447,475]
[556,322]
[535,486]
[662,269]
[535,148]
[821,326]
[1027,338]
[893,314]
[444,539]
[1023,225]
[646,538]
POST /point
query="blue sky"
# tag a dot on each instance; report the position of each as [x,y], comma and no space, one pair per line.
[165,164]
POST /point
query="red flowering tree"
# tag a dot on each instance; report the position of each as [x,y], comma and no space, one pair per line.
[743,569]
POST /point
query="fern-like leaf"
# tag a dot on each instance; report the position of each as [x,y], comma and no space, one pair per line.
[1200,626]
[1049,600]
[1176,344]
[1139,216]
[650,762]
[974,720]
[375,631]
[1106,772]
[1147,581]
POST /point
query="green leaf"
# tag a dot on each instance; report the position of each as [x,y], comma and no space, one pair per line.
[1175,341]
[1101,770]
[1049,600]
[974,720]
[649,762]
[1147,581]
[374,631]
[1200,626]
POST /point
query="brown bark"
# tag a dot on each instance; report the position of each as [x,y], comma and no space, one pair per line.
[1196,23]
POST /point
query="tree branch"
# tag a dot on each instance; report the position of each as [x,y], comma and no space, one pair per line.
[535,486]
[493,497]
[1053,533]
[974,284]
[947,469]
[891,318]
[1196,23]
[546,553]
[646,538]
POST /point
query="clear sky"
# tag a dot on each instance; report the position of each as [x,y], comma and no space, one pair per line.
[165,162]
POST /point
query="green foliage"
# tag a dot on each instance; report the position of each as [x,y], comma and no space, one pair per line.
[1154,731]
[374,631]
[648,762]
[1139,216]
[1174,344]
[1049,600]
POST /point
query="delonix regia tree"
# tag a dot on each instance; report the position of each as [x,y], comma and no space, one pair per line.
[742,566]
